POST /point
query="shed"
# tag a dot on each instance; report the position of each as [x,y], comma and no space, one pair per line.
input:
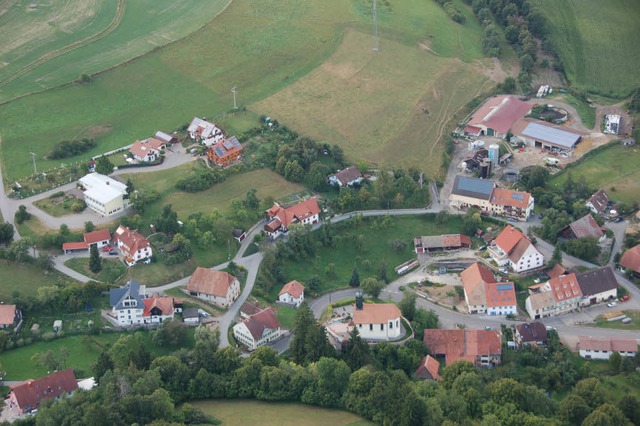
[57,325]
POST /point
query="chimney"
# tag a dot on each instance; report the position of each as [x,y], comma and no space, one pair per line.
[359,300]
[107,182]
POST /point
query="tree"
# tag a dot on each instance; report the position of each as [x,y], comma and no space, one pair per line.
[172,333]
[630,407]
[317,175]
[143,198]
[508,85]
[22,214]
[104,166]
[103,364]
[64,229]
[19,250]
[573,409]
[357,352]
[89,226]
[167,222]
[471,221]
[6,233]
[556,257]
[45,262]
[355,278]
[372,286]
[534,177]
[605,415]
[293,171]
[251,201]
[614,362]
[408,305]
[95,263]
[130,189]
[382,272]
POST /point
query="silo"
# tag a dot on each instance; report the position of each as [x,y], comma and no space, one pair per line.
[494,154]
[485,168]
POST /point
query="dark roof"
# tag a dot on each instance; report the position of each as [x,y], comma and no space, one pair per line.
[597,281]
[117,295]
[257,323]
[32,392]
[237,233]
[472,187]
[599,201]
[249,309]
[345,176]
[545,132]
[532,332]
[586,226]
[190,313]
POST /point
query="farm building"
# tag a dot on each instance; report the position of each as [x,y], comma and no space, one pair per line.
[480,347]
[584,227]
[428,369]
[166,138]
[631,259]
[514,249]
[496,116]
[225,152]
[104,195]
[441,242]
[540,134]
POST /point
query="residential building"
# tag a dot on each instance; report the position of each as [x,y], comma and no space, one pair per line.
[101,238]
[127,303]
[557,296]
[191,316]
[428,369]
[631,259]
[376,321]
[593,348]
[514,249]
[133,246]
[584,227]
[556,271]
[349,176]
[217,287]
[546,136]
[598,202]
[10,315]
[104,195]
[509,203]
[292,294]
[530,333]
[441,242]
[258,330]
[480,347]
[225,152]
[202,131]
[26,397]
[247,309]
[598,285]
[484,295]
[279,218]
[147,150]
[158,309]
[496,117]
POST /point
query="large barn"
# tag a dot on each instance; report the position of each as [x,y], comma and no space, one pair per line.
[540,134]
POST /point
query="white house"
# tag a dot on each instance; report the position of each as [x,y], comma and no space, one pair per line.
[104,195]
[158,309]
[134,247]
[205,132]
[591,348]
[484,295]
[346,177]
[292,293]
[100,238]
[147,150]
[512,248]
[306,213]
[598,202]
[558,295]
[377,321]
[258,330]
[191,316]
[218,287]
[127,303]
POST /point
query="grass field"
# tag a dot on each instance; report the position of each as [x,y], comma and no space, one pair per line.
[111,269]
[55,208]
[258,46]
[25,279]
[254,413]
[617,166]
[286,316]
[597,43]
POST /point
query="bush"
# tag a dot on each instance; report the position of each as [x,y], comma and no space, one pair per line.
[200,180]
[56,194]
[66,149]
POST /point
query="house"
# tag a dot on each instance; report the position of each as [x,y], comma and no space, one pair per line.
[598,285]
[556,271]
[496,117]
[531,333]
[584,227]
[127,303]
[166,138]
[598,202]
[484,295]
[74,247]
[157,309]
[258,330]
[558,295]
[191,316]
[544,135]
[134,247]
[147,150]
[480,347]
[279,218]
[217,287]
[247,309]
[592,348]
[441,242]
[225,152]
[510,203]
[26,396]
[428,369]
[238,234]
[104,195]
[631,259]
[514,249]
[346,177]
[101,238]
[202,131]
[292,294]
[376,321]
[10,315]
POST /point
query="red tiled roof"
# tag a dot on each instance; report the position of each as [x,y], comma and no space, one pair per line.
[631,259]
[445,241]
[556,271]
[249,309]
[7,314]
[132,239]
[510,198]
[519,249]
[472,130]
[500,294]
[565,287]
[97,236]
[462,344]
[372,313]
[155,143]
[473,280]
[139,149]
[294,288]
[620,345]
[586,226]
[500,113]
[165,304]
[428,368]
[299,212]
[75,246]
[348,174]
[32,392]
[508,238]
[257,323]
[210,281]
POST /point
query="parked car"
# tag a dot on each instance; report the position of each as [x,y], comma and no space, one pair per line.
[106,248]
[611,304]
[113,253]
[512,219]
[625,298]
[482,248]
[540,216]
[619,219]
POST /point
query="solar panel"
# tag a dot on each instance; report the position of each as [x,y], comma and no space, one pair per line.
[551,134]
[504,287]
[517,196]
[220,152]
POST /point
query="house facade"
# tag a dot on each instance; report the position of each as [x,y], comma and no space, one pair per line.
[482,348]
[217,287]
[104,195]
[25,397]
[292,294]
[557,296]
[147,150]
[225,152]
[258,330]
[485,296]
[597,286]
[158,309]
[280,218]
[598,202]
[514,249]
[134,247]
[127,303]
[376,321]
[592,348]
[428,369]
[349,176]
[207,133]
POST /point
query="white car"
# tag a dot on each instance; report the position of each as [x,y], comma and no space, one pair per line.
[612,304]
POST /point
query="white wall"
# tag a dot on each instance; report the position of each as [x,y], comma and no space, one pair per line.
[388,331]
[531,259]
[503,310]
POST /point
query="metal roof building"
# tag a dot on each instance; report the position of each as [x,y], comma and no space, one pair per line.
[472,187]
[545,135]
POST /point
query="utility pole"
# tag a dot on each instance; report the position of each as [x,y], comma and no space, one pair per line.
[375,26]
[234,90]
[33,156]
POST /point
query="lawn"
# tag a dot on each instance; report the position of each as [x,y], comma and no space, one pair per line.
[56,208]
[619,325]
[112,269]
[585,110]
[616,166]
[376,247]
[251,412]
[597,45]
[259,47]
[156,274]
[25,279]
[286,316]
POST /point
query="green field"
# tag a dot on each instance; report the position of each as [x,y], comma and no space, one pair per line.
[254,413]
[261,47]
[112,269]
[597,42]
[616,166]
[619,325]
[25,279]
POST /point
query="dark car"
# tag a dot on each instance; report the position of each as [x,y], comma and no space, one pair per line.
[540,216]
[619,219]
[113,253]
[482,248]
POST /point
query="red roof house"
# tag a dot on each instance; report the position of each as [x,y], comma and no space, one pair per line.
[157,309]
[480,347]
[258,330]
[69,248]
[225,152]
[292,293]
[9,315]
[631,259]
[584,227]
[100,237]
[27,396]
[428,369]
[306,212]
[132,244]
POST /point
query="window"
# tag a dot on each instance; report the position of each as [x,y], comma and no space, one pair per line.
[370,327]
[390,324]
[381,327]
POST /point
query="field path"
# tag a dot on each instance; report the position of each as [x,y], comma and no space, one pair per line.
[68,48]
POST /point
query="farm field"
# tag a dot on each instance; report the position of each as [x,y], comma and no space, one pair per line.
[254,413]
[57,42]
[25,279]
[260,55]
[597,43]
[616,166]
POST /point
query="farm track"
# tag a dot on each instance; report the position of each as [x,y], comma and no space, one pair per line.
[66,49]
